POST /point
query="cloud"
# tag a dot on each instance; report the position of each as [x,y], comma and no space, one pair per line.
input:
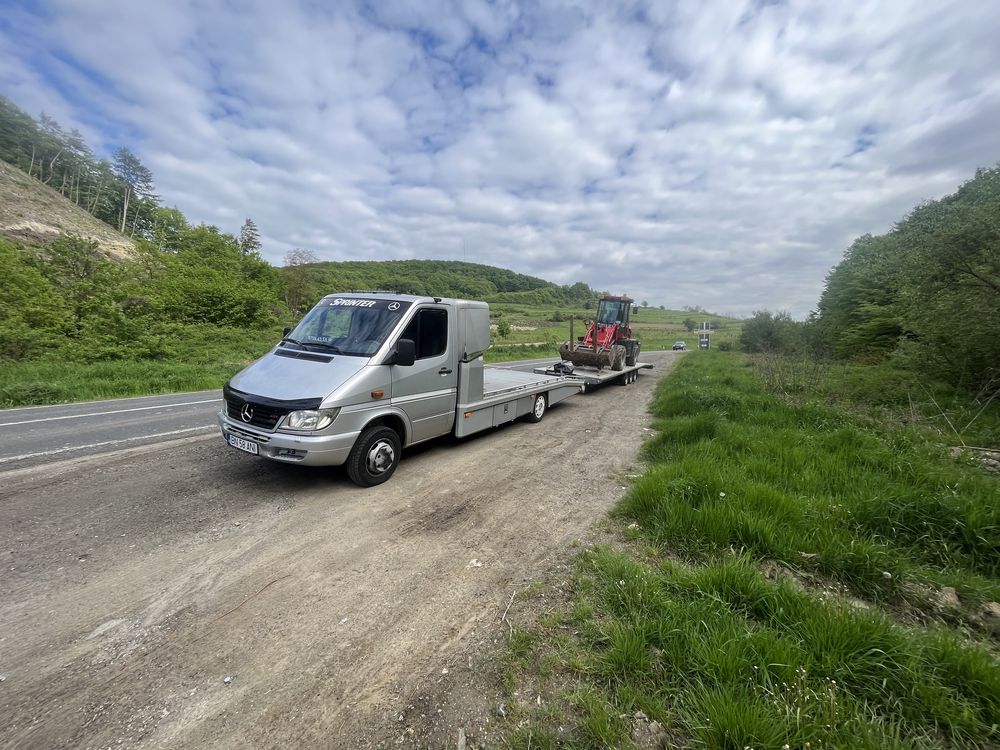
[722,154]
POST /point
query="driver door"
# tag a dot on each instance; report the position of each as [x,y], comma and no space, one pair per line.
[427,391]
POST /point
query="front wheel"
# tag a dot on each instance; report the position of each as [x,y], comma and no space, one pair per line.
[633,354]
[617,357]
[374,456]
[537,409]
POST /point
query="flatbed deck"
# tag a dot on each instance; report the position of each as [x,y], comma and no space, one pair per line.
[591,376]
[501,380]
[510,394]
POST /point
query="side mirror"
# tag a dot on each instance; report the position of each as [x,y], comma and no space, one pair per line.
[285,332]
[405,354]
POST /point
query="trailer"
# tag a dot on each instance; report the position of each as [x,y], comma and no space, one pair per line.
[592,377]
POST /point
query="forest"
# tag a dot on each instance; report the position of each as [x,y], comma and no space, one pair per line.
[923,297]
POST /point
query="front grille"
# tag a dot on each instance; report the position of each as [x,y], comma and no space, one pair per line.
[261,416]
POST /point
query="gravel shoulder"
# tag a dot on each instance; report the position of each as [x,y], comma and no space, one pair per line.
[134,584]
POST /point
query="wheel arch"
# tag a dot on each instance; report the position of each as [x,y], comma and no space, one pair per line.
[395,422]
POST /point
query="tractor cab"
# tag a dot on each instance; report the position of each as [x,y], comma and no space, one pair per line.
[611,310]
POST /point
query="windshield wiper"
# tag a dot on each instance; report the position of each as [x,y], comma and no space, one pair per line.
[323,345]
[312,345]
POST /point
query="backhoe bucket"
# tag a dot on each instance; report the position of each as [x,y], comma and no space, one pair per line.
[585,356]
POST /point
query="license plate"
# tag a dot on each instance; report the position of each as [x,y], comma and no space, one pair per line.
[244,445]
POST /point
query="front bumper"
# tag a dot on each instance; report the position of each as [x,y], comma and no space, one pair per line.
[310,450]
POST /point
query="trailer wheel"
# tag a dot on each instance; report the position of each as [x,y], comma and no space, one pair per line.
[537,409]
[374,457]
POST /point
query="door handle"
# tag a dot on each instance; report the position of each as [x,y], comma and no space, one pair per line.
[444,371]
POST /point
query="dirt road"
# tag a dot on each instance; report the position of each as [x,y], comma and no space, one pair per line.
[134,584]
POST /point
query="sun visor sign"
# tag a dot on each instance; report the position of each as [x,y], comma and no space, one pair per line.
[392,305]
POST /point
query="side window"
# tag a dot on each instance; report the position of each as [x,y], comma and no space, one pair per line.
[429,329]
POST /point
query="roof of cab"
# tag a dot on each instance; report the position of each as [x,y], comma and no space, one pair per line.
[409,298]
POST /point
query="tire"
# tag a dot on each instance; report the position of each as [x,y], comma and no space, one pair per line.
[617,357]
[538,409]
[633,354]
[374,457]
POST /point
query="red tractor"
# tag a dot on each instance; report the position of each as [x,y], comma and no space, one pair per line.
[608,342]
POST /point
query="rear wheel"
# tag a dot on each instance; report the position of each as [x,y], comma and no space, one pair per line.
[374,456]
[537,409]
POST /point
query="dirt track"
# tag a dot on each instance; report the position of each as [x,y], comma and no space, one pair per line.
[134,584]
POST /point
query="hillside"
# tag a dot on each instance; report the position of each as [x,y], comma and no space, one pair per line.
[308,282]
[34,213]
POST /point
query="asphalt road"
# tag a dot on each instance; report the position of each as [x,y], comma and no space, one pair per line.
[35,435]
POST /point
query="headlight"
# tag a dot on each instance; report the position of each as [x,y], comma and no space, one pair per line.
[311,419]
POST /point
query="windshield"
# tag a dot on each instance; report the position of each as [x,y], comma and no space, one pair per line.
[347,325]
[609,312]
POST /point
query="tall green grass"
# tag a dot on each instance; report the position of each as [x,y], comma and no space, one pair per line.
[686,625]
[814,487]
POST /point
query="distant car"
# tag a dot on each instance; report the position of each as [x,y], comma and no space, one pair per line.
[679,346]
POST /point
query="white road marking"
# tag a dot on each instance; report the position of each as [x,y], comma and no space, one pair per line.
[106,442]
[105,413]
[103,401]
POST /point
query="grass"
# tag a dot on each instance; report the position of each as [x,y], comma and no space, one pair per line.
[196,358]
[779,586]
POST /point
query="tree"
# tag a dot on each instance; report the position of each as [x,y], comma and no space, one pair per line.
[249,238]
[771,333]
[690,323]
[136,179]
[645,303]
[300,257]
[300,274]
[503,328]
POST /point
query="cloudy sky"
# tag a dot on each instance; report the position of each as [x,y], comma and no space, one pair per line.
[718,153]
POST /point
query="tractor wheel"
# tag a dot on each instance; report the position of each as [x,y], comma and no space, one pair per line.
[374,456]
[617,357]
[633,354]
[537,409]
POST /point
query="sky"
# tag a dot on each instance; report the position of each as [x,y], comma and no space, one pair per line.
[719,154]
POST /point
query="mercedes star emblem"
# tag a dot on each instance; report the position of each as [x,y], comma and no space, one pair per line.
[246,412]
[393,305]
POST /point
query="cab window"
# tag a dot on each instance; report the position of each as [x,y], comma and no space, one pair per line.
[429,331]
